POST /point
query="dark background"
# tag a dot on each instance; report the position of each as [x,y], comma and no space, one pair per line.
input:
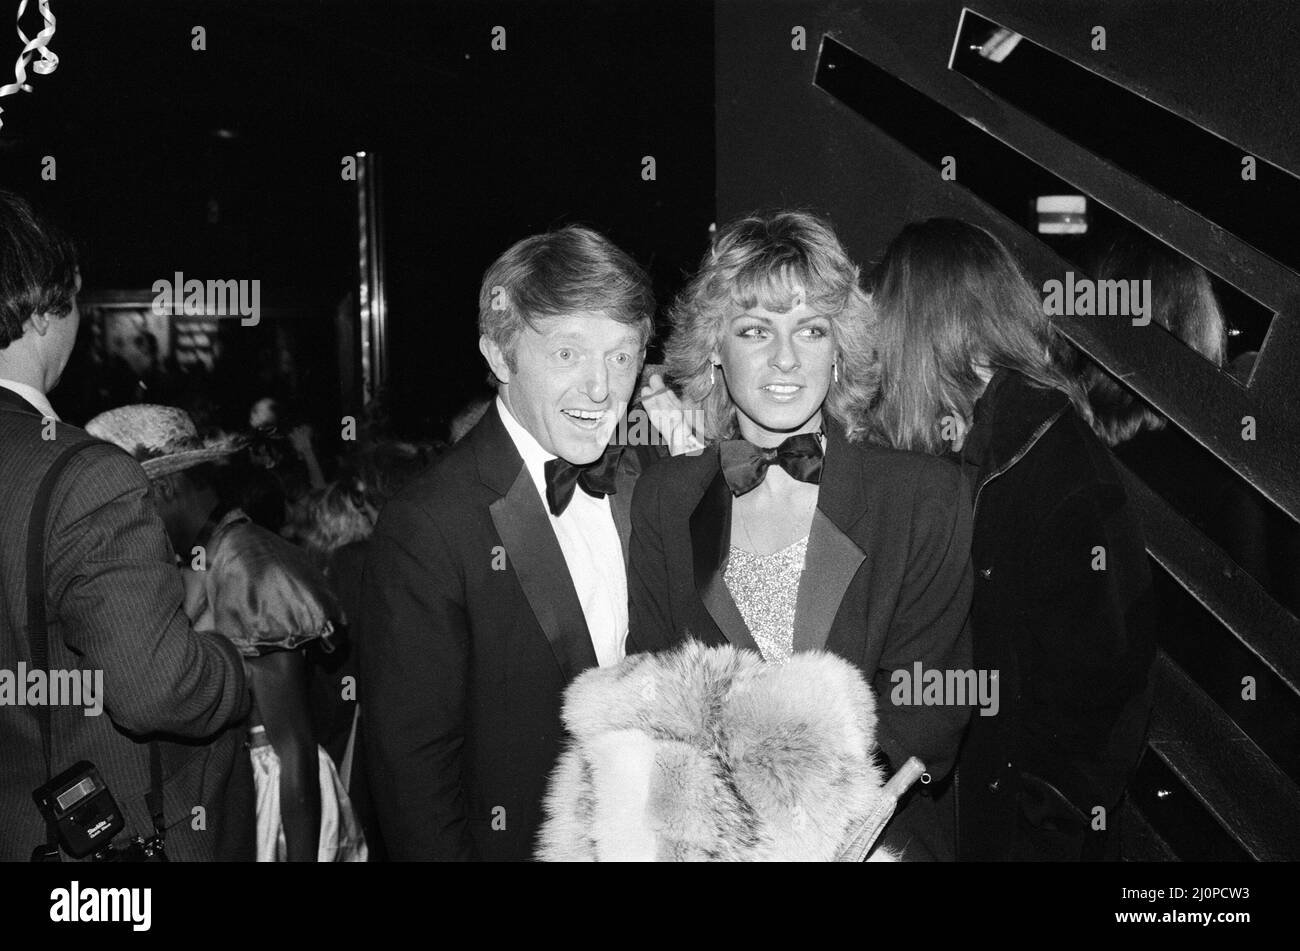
[1228,65]
[225,163]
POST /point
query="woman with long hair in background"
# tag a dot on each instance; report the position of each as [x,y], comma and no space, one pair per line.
[1063,604]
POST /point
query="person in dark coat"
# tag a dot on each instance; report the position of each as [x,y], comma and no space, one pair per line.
[113,598]
[788,533]
[1063,606]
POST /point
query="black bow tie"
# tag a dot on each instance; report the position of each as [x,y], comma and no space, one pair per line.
[596,478]
[745,465]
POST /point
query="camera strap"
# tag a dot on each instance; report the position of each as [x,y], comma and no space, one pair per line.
[153,799]
[38,632]
[37,639]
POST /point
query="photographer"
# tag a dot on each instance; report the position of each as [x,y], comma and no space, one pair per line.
[114,604]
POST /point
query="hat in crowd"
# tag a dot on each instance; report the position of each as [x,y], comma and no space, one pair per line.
[162,438]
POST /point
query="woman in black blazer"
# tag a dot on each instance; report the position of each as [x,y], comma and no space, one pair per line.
[1063,602]
[788,532]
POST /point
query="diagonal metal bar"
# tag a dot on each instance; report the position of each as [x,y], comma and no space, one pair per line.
[1276,375]
[1235,599]
[1229,775]
[1209,245]
[1202,400]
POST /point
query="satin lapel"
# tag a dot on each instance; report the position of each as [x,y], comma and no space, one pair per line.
[833,557]
[521,521]
[710,545]
[832,560]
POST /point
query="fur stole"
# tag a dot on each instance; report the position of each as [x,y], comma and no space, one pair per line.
[712,754]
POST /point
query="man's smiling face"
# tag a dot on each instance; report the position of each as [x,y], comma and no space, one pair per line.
[572,378]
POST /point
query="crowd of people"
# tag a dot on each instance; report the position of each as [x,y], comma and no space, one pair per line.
[907,469]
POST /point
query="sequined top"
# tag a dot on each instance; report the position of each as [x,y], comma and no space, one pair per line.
[765,588]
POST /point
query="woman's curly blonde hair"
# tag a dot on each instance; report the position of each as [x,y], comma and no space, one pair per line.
[762,261]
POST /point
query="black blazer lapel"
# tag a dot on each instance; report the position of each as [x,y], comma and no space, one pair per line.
[710,545]
[531,546]
[829,566]
[833,558]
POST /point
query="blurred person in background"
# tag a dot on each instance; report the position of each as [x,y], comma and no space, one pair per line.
[1063,608]
[264,596]
[467,418]
[339,520]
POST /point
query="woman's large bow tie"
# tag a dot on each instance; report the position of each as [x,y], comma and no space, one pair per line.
[745,465]
[597,479]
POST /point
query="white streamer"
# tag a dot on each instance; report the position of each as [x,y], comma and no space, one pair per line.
[49,60]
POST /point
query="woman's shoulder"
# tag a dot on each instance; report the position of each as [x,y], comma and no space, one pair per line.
[676,470]
[1076,454]
[1067,469]
[265,592]
[677,476]
[902,471]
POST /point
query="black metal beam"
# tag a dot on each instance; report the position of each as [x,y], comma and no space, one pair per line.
[1227,591]
[1141,841]
[1202,400]
[1233,779]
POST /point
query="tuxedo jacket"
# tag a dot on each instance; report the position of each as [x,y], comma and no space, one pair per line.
[114,603]
[473,629]
[887,579]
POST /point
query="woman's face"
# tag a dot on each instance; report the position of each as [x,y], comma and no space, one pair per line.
[777,369]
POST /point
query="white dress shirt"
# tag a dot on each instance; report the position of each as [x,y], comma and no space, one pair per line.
[31,395]
[591,546]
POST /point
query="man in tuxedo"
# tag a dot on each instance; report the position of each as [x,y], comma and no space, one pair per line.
[498,575]
[113,598]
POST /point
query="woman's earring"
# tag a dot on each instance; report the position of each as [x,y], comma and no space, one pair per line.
[835,371]
[712,368]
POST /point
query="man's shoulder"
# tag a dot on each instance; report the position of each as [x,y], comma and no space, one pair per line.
[35,444]
[38,436]
[456,469]
[450,490]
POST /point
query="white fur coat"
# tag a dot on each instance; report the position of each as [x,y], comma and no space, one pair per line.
[711,754]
